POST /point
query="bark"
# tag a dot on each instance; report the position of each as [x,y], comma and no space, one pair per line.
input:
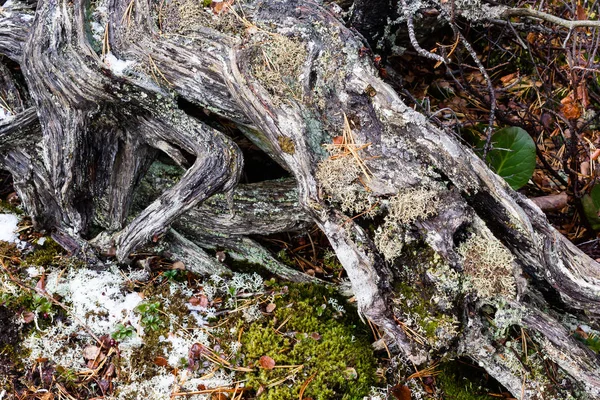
[290,76]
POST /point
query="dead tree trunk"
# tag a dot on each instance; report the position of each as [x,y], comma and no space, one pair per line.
[436,229]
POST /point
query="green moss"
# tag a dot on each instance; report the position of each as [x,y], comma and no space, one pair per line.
[316,341]
[415,299]
[47,254]
[461,382]
[6,206]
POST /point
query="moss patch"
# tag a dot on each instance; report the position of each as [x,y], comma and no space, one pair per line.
[329,350]
[47,254]
[460,381]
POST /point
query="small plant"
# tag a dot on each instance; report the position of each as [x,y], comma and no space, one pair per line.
[512,156]
[172,275]
[123,332]
[591,340]
[150,315]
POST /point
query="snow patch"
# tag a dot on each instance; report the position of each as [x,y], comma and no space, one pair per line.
[8,226]
[117,66]
[96,297]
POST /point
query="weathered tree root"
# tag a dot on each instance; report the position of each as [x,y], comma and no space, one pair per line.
[447,228]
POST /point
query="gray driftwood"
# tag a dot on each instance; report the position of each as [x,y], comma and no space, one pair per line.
[437,229]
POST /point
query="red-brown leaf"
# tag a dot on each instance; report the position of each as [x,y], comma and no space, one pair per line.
[266,362]
[401,392]
[161,361]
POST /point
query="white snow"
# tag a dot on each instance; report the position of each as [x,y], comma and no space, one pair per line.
[8,227]
[96,297]
[117,66]
[5,113]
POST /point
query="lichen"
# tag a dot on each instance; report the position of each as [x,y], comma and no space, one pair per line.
[404,209]
[277,64]
[339,177]
[413,204]
[488,265]
[185,16]
[426,305]
[286,144]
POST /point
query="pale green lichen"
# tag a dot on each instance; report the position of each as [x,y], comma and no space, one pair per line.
[488,265]
[412,205]
[339,179]
[277,64]
[404,209]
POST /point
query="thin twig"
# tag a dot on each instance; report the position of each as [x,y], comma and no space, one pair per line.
[408,14]
[528,12]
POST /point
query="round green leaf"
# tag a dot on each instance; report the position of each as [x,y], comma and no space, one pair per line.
[512,156]
[591,206]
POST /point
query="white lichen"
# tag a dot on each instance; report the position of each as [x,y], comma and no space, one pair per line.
[488,265]
[413,204]
[404,208]
[339,177]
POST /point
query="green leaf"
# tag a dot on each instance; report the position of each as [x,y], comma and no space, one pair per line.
[512,156]
[591,206]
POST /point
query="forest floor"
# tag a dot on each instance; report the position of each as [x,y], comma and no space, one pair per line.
[154,330]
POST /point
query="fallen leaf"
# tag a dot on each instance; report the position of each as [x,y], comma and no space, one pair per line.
[41,285]
[401,392]
[581,13]
[28,317]
[219,7]
[178,265]
[91,352]
[266,362]
[161,361]
[270,307]
[570,108]
[315,336]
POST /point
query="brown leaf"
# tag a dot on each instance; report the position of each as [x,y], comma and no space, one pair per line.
[315,336]
[91,352]
[41,285]
[581,13]
[161,361]
[266,362]
[219,7]
[270,307]
[401,392]
[28,317]
[570,108]
[338,140]
[179,265]
[581,333]
[508,79]
[194,301]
